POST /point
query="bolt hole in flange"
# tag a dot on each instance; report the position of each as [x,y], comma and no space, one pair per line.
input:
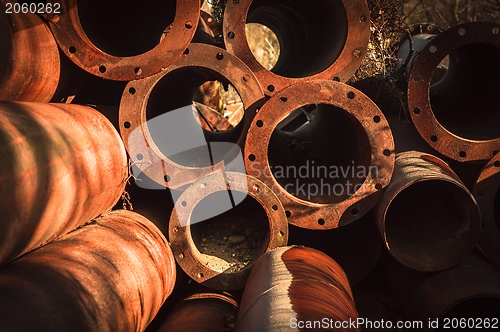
[296,45]
[125,28]
[217,108]
[297,148]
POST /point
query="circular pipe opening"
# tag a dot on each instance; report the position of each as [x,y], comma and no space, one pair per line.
[263,43]
[311,34]
[175,91]
[232,240]
[325,160]
[431,223]
[465,99]
[482,307]
[123,28]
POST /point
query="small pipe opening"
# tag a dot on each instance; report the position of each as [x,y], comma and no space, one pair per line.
[311,34]
[125,28]
[232,240]
[171,132]
[465,99]
[325,160]
[433,223]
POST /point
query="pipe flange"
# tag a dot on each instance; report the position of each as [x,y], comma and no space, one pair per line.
[180,228]
[430,128]
[487,193]
[310,57]
[377,151]
[211,63]
[75,43]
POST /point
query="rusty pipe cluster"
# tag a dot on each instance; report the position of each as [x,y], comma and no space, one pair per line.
[110,275]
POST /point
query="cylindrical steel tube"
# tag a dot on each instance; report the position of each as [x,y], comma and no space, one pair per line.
[328,172]
[468,293]
[428,219]
[221,224]
[60,166]
[110,275]
[487,193]
[151,128]
[318,39]
[124,40]
[29,58]
[203,312]
[293,284]
[459,114]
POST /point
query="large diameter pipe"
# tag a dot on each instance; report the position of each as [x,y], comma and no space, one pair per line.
[466,296]
[155,130]
[291,286]
[124,41]
[110,275]
[487,193]
[428,219]
[29,58]
[221,224]
[459,114]
[328,172]
[203,312]
[60,166]
[318,39]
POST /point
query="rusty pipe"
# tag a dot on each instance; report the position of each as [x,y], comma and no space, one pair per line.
[124,41]
[110,275]
[29,58]
[204,312]
[318,39]
[60,166]
[467,292]
[146,102]
[293,284]
[487,193]
[328,172]
[458,115]
[428,219]
[221,224]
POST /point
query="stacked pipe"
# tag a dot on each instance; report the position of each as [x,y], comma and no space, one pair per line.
[312,161]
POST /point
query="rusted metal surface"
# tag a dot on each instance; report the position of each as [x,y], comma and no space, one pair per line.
[295,283]
[428,219]
[173,88]
[355,247]
[349,137]
[204,312]
[125,41]
[206,269]
[110,275]
[24,74]
[318,39]
[60,166]
[459,115]
[468,291]
[487,193]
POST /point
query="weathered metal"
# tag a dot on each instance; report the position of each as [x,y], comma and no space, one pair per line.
[428,219]
[29,58]
[318,39]
[348,137]
[459,115]
[211,270]
[293,284]
[468,292]
[110,275]
[355,247]
[171,89]
[204,312]
[124,41]
[487,193]
[60,166]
